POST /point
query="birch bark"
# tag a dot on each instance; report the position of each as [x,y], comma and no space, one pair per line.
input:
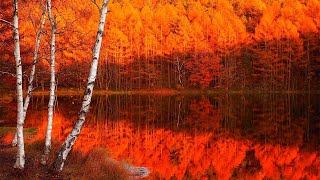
[20,161]
[67,145]
[33,71]
[47,147]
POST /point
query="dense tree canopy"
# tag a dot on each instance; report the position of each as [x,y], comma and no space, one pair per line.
[236,44]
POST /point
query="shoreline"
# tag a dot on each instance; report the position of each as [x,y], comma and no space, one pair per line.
[97,163]
[162,92]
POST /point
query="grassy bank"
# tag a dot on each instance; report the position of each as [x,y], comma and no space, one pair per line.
[95,165]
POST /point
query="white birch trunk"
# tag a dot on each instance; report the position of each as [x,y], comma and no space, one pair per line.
[20,161]
[47,147]
[67,145]
[33,71]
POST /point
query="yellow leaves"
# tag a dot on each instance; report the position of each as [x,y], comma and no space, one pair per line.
[257,4]
[69,55]
[146,15]
[118,45]
[171,11]
[223,5]
[308,25]
[185,30]
[287,19]
[180,7]
[229,28]
[284,28]
[160,15]
[117,37]
[196,11]
[149,42]
[313,11]
[116,16]
[136,28]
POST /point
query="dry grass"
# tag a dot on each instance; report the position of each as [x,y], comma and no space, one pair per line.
[97,161]
[95,165]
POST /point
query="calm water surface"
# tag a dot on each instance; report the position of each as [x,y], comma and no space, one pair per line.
[223,136]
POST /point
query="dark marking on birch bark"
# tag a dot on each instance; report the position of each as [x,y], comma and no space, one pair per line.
[88,91]
[59,162]
[100,32]
[72,140]
[82,112]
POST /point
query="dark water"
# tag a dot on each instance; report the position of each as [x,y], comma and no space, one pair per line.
[219,136]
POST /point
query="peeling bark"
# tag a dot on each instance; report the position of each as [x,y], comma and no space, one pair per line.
[33,71]
[67,145]
[20,160]
[47,147]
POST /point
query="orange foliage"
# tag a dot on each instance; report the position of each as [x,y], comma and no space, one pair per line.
[199,32]
[202,145]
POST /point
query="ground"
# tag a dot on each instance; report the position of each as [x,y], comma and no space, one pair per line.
[94,165]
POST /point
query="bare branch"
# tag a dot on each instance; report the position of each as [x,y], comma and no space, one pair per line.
[33,23]
[35,88]
[105,4]
[4,44]
[47,59]
[96,4]
[5,21]
[8,73]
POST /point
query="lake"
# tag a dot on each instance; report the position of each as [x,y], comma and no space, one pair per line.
[194,137]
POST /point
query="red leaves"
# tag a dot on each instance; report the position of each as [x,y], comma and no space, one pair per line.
[203,71]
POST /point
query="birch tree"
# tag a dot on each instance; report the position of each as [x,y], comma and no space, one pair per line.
[20,161]
[52,84]
[39,33]
[67,145]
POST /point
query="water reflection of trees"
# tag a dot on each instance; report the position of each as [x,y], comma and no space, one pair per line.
[224,136]
[265,118]
[273,118]
[221,136]
[269,118]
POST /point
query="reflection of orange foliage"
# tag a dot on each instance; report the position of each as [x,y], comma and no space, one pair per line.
[59,125]
[170,154]
[204,112]
[197,152]
[7,138]
[287,162]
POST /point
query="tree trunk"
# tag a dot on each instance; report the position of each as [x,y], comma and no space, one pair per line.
[20,121]
[67,145]
[52,85]
[33,71]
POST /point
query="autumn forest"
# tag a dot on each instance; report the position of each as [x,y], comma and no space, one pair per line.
[215,44]
[159,89]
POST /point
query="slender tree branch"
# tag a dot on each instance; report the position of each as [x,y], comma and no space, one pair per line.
[96,4]
[33,23]
[4,44]
[11,74]
[34,88]
[5,21]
